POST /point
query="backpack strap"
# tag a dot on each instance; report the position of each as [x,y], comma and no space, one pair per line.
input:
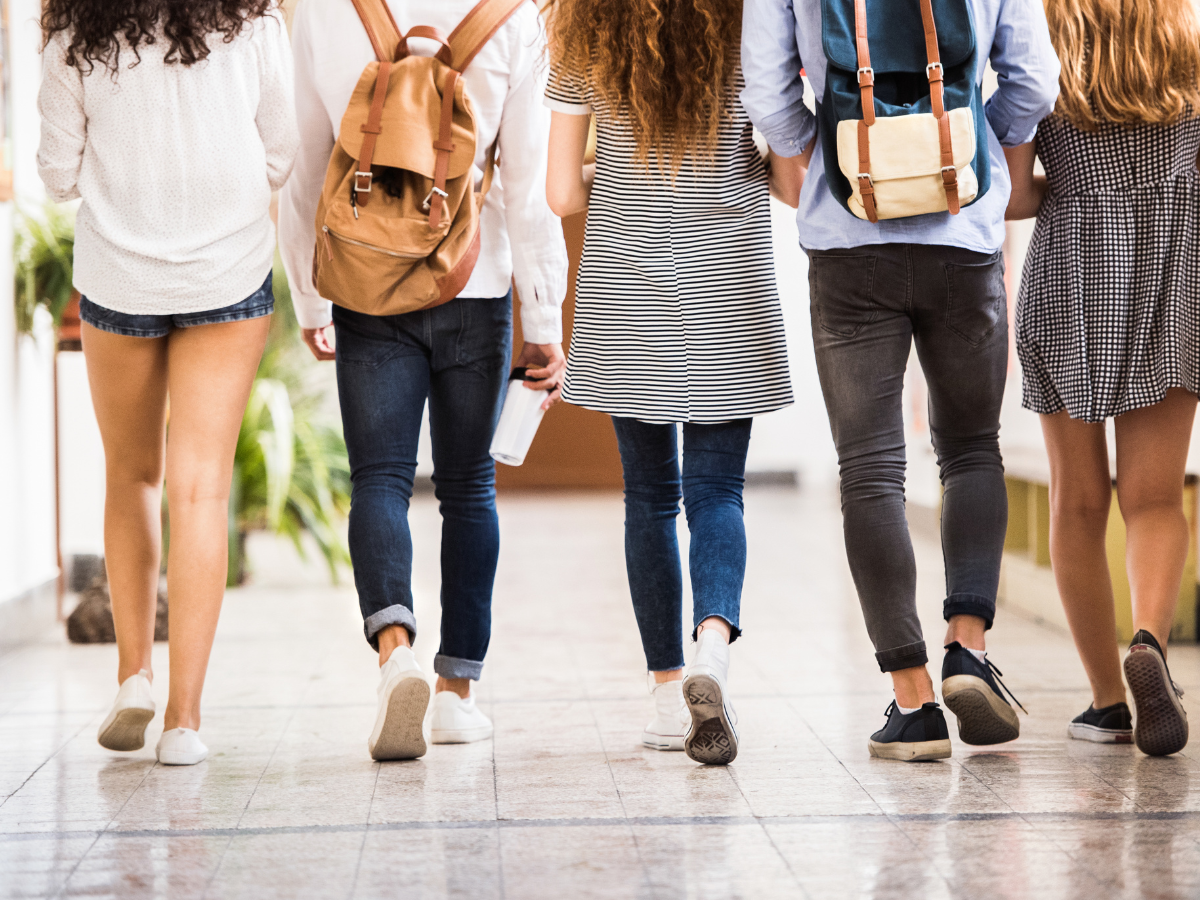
[866,87]
[381,27]
[935,73]
[478,27]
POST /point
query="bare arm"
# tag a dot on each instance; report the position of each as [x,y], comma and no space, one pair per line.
[787,174]
[568,180]
[1028,190]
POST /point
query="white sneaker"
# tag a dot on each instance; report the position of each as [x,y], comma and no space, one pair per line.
[181,747]
[712,739]
[671,720]
[403,699]
[125,726]
[457,721]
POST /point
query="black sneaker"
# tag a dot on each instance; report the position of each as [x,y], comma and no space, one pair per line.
[918,736]
[1161,726]
[971,690]
[1110,725]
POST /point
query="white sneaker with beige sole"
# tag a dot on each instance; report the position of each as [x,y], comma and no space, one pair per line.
[181,747]
[125,726]
[457,721]
[403,699]
[671,717]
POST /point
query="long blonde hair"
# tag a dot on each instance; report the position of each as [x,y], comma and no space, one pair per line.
[1129,62]
[667,64]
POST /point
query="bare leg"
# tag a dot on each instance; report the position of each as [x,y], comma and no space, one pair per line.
[128,378]
[1152,447]
[211,371]
[967,630]
[912,687]
[1080,496]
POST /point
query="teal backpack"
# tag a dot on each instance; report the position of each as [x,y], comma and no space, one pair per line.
[902,119]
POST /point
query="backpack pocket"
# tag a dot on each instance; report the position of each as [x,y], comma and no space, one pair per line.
[906,163]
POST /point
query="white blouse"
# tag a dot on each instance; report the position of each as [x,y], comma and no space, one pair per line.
[176,166]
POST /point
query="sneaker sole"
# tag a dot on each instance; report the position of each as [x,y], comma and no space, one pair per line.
[912,751]
[181,759]
[1160,725]
[401,736]
[460,736]
[127,730]
[711,740]
[1080,731]
[661,742]
[983,717]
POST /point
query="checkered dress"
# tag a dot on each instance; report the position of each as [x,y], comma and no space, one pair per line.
[1108,314]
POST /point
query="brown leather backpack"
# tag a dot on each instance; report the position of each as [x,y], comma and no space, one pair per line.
[398,222]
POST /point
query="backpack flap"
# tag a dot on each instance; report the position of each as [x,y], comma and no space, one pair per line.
[906,162]
[408,145]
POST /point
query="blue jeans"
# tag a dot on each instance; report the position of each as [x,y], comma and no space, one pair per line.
[714,471]
[870,305]
[457,356]
[260,303]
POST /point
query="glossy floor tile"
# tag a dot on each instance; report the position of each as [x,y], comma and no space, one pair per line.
[564,802]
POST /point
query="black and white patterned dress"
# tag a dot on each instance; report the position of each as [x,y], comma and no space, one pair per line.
[677,316]
[1108,315]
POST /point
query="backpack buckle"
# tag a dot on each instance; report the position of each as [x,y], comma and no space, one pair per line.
[866,76]
[949,175]
[429,198]
[358,182]
[940,71]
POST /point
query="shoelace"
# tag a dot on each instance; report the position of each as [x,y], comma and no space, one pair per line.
[997,673]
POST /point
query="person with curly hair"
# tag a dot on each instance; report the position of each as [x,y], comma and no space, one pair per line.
[173,123]
[677,319]
[1106,328]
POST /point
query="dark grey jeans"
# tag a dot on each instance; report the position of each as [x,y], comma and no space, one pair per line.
[869,304]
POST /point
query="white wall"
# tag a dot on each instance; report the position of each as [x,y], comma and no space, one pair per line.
[27,549]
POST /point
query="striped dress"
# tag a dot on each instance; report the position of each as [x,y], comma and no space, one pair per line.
[677,317]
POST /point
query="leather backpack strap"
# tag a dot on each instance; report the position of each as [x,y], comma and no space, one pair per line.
[381,27]
[937,98]
[477,28]
[866,87]
[444,146]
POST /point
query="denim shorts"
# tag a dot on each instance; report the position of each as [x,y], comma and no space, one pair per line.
[260,303]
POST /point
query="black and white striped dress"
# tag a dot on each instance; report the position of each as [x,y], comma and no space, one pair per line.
[1108,316]
[677,317]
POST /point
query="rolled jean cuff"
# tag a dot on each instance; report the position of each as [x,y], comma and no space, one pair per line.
[453,667]
[393,615]
[734,631]
[906,657]
[970,605]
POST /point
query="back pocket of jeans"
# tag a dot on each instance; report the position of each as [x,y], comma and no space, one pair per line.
[976,299]
[842,292]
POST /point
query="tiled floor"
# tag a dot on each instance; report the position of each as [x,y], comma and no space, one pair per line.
[565,803]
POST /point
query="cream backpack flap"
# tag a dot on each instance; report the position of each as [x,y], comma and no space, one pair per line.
[398,221]
[903,99]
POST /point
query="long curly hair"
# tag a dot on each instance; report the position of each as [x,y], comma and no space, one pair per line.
[666,64]
[1128,62]
[96,27]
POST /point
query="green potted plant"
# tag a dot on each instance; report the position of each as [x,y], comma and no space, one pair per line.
[44,255]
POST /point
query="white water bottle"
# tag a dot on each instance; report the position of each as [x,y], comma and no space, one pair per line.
[519,420]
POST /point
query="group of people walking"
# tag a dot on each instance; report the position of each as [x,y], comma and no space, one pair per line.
[175,123]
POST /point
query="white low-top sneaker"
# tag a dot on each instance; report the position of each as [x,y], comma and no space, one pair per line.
[181,747]
[457,721]
[403,700]
[671,719]
[712,739]
[125,726]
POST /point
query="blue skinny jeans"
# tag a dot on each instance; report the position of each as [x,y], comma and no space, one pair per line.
[714,471]
[455,355]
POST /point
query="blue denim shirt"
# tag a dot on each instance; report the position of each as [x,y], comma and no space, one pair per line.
[779,37]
